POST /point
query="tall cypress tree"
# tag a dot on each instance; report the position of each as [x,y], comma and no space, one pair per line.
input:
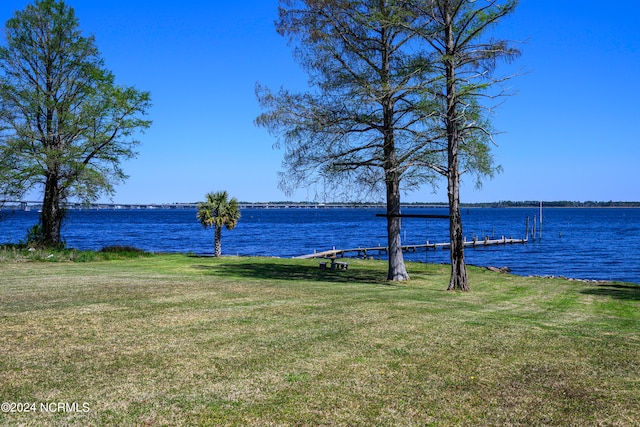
[365,125]
[465,58]
[65,125]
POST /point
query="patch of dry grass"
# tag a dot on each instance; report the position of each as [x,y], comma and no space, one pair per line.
[174,340]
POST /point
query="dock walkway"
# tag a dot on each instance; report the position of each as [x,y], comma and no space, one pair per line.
[362,252]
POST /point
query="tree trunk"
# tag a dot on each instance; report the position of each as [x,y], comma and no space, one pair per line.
[217,243]
[52,214]
[397,270]
[458,278]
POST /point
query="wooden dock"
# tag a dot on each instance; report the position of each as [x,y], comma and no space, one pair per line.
[363,252]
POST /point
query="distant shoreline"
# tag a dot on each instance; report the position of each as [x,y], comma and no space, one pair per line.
[35,205]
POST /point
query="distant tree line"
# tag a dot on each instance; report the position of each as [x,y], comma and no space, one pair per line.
[554,204]
[500,204]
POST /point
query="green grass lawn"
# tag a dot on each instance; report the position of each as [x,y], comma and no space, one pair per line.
[178,340]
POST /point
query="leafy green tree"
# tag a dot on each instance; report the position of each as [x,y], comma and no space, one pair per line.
[465,58]
[65,126]
[366,127]
[218,211]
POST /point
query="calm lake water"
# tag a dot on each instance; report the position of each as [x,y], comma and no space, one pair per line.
[598,243]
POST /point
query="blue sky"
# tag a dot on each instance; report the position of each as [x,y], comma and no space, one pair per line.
[570,132]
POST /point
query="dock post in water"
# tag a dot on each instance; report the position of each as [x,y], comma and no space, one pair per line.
[535,221]
[541,220]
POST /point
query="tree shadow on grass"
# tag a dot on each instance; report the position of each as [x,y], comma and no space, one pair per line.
[294,272]
[615,290]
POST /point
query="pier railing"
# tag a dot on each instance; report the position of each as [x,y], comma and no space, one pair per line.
[364,252]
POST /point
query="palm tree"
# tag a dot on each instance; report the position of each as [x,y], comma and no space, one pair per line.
[218,211]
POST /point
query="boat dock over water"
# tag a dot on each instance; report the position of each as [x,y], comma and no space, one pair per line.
[364,252]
